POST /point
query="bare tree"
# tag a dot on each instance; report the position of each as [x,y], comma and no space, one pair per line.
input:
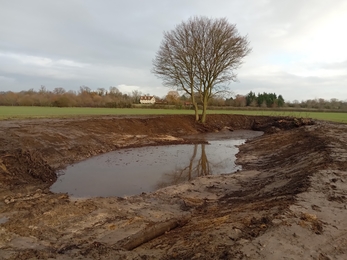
[174,62]
[59,91]
[101,91]
[42,89]
[201,56]
[84,89]
[114,91]
[172,97]
[136,94]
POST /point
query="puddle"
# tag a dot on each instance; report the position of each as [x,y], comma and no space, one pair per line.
[3,220]
[133,171]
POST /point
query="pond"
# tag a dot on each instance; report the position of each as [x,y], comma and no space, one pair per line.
[132,171]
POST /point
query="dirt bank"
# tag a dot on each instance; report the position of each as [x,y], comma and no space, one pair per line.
[289,201]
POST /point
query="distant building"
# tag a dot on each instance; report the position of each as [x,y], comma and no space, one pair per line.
[147,99]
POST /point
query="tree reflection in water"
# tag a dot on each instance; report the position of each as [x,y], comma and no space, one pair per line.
[197,167]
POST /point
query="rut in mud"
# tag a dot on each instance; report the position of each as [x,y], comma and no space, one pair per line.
[292,186]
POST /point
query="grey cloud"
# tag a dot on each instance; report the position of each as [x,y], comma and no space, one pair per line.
[335,65]
[118,39]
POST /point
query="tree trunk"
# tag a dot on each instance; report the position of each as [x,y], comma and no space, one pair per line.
[204,110]
[196,112]
[205,167]
[195,108]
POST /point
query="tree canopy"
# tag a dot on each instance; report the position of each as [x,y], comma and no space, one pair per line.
[264,100]
[200,56]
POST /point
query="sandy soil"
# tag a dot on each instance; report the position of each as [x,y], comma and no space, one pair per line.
[288,202]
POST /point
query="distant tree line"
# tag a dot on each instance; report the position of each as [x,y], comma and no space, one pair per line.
[319,103]
[271,100]
[59,97]
[113,98]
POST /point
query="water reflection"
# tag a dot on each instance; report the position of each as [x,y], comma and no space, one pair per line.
[133,171]
[199,165]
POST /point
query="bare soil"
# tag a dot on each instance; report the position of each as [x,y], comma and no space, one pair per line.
[288,202]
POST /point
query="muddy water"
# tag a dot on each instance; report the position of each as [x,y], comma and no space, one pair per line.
[3,220]
[133,171]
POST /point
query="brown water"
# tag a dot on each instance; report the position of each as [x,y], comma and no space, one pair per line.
[3,220]
[136,170]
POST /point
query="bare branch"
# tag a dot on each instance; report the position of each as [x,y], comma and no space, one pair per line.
[201,56]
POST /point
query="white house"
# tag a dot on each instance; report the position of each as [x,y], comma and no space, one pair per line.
[147,100]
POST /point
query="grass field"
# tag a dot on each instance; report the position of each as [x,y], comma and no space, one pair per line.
[7,112]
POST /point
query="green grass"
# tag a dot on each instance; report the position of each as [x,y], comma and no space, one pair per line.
[15,112]
[10,112]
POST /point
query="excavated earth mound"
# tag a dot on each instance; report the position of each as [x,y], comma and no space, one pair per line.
[288,202]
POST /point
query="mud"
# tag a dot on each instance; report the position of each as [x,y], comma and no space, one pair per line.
[288,202]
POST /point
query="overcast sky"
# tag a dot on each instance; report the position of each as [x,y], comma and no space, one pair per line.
[299,46]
